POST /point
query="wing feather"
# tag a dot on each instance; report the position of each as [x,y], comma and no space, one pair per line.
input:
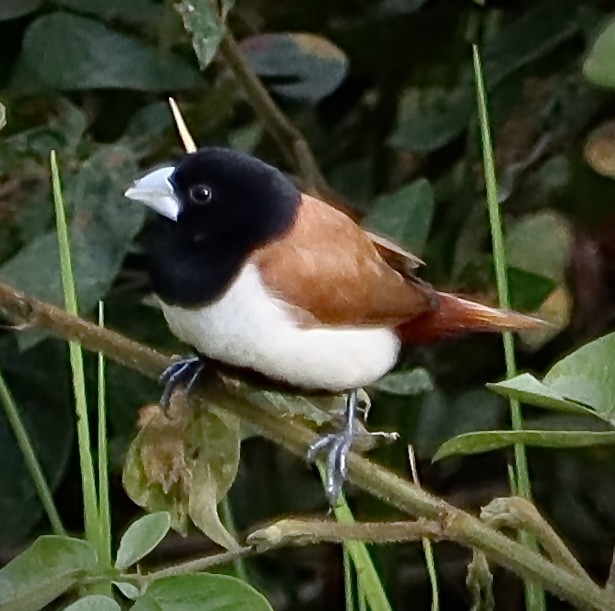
[329,267]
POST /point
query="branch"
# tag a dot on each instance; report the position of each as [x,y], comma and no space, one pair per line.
[288,137]
[458,525]
[520,514]
[27,312]
[298,532]
[293,531]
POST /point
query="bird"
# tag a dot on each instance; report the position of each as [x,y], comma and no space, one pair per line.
[253,273]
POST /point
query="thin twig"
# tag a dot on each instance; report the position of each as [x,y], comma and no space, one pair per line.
[293,531]
[427,547]
[290,139]
[520,514]
[460,526]
[194,566]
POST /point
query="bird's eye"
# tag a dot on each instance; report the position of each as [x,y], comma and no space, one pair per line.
[200,194]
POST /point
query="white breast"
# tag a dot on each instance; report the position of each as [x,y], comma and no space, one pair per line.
[249,327]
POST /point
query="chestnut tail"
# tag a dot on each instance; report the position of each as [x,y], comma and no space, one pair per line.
[456,315]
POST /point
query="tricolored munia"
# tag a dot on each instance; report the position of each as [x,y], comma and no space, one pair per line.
[253,273]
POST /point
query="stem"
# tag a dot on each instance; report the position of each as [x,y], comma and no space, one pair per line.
[29,456]
[76,360]
[499,255]
[519,513]
[194,566]
[291,141]
[294,531]
[228,521]
[103,457]
[348,590]
[535,597]
[295,437]
[430,561]
[368,581]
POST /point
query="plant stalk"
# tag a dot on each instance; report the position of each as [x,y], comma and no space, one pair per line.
[29,456]
[535,597]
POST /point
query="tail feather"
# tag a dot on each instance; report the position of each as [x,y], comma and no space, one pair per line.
[456,315]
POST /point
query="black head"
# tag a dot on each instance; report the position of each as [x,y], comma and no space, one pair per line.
[228,194]
[220,205]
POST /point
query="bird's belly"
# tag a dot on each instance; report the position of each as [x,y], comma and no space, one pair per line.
[248,327]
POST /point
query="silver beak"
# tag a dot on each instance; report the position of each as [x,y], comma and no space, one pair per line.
[155,191]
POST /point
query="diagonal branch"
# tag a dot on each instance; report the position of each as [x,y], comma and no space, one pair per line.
[286,134]
[458,525]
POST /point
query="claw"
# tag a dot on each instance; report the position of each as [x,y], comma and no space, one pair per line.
[336,447]
[176,374]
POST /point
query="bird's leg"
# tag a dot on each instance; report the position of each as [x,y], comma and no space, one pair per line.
[335,446]
[185,372]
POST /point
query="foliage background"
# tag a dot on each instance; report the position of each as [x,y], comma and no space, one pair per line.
[383,93]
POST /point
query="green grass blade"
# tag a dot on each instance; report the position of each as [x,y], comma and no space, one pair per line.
[362,600]
[430,561]
[32,464]
[368,581]
[239,564]
[103,457]
[534,595]
[348,590]
[76,360]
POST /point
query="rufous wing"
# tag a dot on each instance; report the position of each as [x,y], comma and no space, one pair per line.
[330,269]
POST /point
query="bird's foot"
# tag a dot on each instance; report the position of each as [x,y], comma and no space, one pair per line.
[335,447]
[184,372]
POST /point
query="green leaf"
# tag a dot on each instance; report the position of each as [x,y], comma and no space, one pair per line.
[11,9]
[404,216]
[528,290]
[141,538]
[215,444]
[404,383]
[135,11]
[535,34]
[598,67]
[202,592]
[300,66]
[102,228]
[540,243]
[527,389]
[63,131]
[148,127]
[587,376]
[476,443]
[2,115]
[95,602]
[582,382]
[47,569]
[206,25]
[100,58]
[128,590]
[430,129]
